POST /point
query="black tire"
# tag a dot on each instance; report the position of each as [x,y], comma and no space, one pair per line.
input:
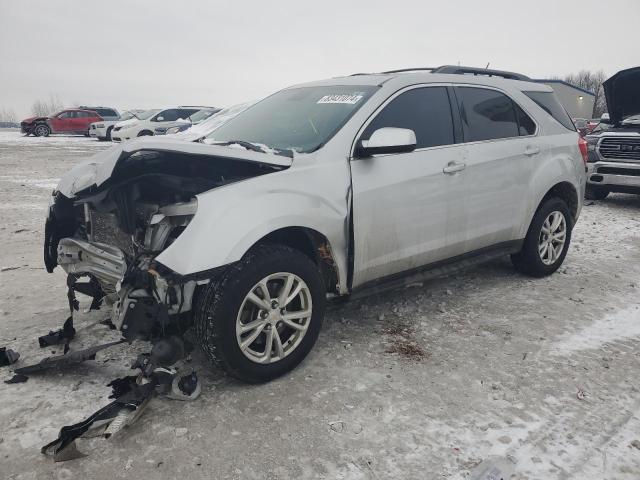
[109,134]
[528,260]
[594,192]
[145,133]
[218,307]
[41,130]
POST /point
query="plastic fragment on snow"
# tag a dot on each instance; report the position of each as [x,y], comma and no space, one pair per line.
[64,334]
[8,356]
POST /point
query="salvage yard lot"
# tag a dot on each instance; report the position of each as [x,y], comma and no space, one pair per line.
[537,375]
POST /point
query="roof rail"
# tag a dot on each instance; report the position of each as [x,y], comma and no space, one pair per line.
[401,70]
[456,69]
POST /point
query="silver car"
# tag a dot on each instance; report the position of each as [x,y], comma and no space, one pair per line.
[329,189]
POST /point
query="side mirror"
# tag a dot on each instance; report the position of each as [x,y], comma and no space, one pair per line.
[605,119]
[387,140]
[159,119]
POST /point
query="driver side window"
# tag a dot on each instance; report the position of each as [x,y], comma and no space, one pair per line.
[425,110]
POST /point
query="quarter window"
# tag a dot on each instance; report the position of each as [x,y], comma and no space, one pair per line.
[526,125]
[549,103]
[486,114]
[426,111]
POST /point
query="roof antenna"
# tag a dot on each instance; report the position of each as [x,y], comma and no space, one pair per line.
[487,67]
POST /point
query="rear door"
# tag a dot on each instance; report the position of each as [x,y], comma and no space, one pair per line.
[501,146]
[406,209]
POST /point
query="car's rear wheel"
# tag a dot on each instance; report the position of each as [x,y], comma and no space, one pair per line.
[547,240]
[261,318]
[594,192]
[42,130]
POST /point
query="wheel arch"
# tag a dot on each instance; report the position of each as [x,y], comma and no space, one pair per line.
[567,192]
[311,243]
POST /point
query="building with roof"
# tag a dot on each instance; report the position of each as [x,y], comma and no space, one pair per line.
[577,101]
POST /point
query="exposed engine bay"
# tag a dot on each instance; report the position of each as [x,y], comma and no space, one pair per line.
[109,236]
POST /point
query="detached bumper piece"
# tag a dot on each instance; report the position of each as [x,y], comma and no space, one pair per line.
[131,395]
[66,360]
[110,419]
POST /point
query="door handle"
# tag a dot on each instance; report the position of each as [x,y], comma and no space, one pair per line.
[531,150]
[453,167]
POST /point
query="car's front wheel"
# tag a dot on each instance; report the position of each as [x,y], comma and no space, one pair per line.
[42,130]
[261,318]
[547,240]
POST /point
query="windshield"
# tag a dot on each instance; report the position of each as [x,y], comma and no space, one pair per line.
[201,115]
[127,115]
[147,114]
[299,119]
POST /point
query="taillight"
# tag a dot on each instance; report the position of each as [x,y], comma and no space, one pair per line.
[582,144]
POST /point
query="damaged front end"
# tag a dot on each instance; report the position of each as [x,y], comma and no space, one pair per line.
[107,234]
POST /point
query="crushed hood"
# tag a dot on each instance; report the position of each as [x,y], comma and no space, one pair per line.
[622,92]
[33,119]
[99,167]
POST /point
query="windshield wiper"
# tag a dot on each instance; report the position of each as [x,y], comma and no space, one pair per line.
[252,146]
[243,143]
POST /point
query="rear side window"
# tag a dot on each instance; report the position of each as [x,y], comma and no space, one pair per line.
[426,111]
[106,112]
[548,102]
[486,114]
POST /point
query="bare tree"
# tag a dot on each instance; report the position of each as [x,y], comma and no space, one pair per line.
[7,115]
[591,81]
[42,108]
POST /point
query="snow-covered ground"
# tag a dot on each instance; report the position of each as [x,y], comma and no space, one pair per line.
[537,377]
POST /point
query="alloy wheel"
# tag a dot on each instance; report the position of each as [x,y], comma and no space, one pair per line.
[552,238]
[274,317]
[41,131]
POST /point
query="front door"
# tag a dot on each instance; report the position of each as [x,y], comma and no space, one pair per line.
[408,208]
[62,122]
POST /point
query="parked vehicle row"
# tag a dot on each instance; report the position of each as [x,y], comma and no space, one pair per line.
[107,124]
[329,189]
[159,121]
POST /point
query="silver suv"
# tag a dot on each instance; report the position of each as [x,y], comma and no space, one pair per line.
[329,189]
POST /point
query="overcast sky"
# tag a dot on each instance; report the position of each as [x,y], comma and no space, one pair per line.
[160,53]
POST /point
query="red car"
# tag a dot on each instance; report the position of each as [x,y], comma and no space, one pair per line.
[71,120]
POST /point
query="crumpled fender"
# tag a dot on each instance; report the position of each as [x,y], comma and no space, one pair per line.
[231,219]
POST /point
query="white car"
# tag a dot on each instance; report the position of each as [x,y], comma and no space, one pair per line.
[335,188]
[102,130]
[156,124]
[196,131]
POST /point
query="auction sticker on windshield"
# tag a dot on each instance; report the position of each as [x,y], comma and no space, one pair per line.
[345,98]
